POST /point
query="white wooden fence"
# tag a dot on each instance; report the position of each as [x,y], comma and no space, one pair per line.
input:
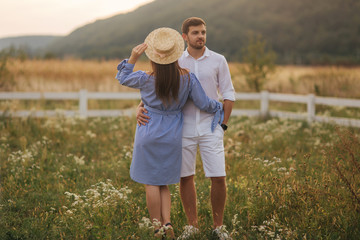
[264,97]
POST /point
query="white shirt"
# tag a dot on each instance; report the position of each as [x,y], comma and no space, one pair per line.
[213,73]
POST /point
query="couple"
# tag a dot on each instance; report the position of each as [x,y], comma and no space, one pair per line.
[171,125]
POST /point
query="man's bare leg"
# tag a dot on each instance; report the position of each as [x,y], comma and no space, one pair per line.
[188,198]
[218,198]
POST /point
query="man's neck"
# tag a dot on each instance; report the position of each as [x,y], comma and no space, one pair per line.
[196,53]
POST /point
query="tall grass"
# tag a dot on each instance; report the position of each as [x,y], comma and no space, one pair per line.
[68,178]
[329,81]
[67,75]
[73,75]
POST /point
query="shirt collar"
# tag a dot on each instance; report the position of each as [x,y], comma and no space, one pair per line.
[205,54]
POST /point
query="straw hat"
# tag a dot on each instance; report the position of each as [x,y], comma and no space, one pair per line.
[165,45]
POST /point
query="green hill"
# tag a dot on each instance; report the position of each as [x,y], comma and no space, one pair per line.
[306,31]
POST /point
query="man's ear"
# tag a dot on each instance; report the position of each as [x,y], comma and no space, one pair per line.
[184,36]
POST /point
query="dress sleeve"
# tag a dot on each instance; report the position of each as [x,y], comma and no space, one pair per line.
[203,102]
[127,77]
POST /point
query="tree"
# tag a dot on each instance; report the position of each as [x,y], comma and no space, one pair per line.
[259,62]
[6,77]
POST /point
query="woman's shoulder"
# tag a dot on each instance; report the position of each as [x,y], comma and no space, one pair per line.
[184,71]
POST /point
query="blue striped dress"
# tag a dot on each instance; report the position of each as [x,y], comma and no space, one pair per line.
[157,147]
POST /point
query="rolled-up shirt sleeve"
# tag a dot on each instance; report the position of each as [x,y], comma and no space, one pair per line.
[226,87]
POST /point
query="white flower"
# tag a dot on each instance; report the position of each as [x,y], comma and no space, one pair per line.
[271,234]
[146,223]
[268,138]
[69,212]
[262,228]
[234,220]
[79,161]
[90,134]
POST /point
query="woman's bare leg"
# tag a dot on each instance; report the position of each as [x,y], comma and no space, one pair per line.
[165,204]
[153,202]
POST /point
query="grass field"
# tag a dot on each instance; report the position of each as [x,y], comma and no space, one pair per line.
[68,178]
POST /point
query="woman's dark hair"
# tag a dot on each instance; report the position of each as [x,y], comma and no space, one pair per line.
[167,80]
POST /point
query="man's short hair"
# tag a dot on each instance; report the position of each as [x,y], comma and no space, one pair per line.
[192,21]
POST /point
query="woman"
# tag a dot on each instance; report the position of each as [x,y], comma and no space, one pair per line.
[164,91]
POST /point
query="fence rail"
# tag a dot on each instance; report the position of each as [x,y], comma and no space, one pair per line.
[264,97]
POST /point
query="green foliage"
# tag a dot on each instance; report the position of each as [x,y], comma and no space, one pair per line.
[260,62]
[68,178]
[344,160]
[6,77]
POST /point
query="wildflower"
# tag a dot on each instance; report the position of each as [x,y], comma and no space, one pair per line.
[69,212]
[253,228]
[156,223]
[146,223]
[90,134]
[262,228]
[79,161]
[88,225]
[234,221]
[271,234]
[268,138]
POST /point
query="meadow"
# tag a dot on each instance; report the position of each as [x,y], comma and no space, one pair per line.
[68,178]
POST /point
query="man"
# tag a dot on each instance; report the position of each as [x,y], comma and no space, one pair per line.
[213,73]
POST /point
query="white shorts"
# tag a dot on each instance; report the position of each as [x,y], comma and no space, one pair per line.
[211,150]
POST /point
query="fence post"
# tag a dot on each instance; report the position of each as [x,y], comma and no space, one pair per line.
[264,103]
[311,108]
[83,103]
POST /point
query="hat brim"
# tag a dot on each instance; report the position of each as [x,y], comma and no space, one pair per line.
[176,53]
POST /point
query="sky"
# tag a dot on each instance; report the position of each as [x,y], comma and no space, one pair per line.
[57,17]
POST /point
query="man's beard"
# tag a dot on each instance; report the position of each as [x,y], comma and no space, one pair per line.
[197,46]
